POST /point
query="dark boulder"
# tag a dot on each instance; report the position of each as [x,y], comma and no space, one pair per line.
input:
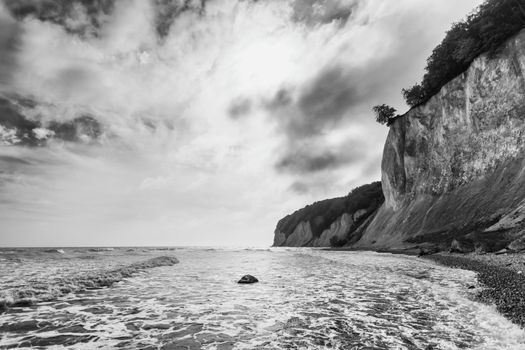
[248,279]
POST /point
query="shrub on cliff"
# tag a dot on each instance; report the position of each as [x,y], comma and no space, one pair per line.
[384,114]
[485,30]
[414,96]
[322,214]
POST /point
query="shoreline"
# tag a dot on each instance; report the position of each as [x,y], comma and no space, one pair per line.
[502,276]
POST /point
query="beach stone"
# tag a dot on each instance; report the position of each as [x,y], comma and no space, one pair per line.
[248,279]
[518,244]
[461,246]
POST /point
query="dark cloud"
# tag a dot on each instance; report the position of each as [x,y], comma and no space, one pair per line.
[314,12]
[10,41]
[306,119]
[168,10]
[309,12]
[83,17]
[328,97]
[17,129]
[299,187]
[81,129]
[320,105]
[239,108]
[282,98]
[311,157]
[307,163]
[86,17]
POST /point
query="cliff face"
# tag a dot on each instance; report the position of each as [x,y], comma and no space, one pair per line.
[454,168]
[302,236]
[337,221]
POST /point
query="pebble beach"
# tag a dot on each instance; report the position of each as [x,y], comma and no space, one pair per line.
[503,278]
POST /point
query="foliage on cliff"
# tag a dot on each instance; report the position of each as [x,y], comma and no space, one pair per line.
[323,213]
[484,30]
[385,114]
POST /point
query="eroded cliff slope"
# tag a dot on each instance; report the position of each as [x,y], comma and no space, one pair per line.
[332,222]
[454,168]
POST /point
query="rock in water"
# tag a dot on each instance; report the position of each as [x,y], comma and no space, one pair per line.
[248,279]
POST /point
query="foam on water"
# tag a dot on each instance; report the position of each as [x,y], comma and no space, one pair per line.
[306,299]
[25,283]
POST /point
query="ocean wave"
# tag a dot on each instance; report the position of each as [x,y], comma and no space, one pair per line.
[46,291]
[57,251]
[99,250]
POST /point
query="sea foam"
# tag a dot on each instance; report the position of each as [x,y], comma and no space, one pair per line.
[46,291]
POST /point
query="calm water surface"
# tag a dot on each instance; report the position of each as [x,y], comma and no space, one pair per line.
[306,299]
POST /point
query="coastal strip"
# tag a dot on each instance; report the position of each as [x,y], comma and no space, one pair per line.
[503,277]
[30,294]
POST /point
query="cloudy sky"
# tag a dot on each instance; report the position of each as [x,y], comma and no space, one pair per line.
[183,122]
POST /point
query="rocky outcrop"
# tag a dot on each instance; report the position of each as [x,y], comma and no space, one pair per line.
[302,236]
[339,230]
[454,168]
[337,221]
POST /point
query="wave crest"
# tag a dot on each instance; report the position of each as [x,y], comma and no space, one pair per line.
[30,294]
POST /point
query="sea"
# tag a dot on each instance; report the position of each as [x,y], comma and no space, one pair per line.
[140,298]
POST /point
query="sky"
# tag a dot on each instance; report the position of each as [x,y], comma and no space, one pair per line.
[183,122]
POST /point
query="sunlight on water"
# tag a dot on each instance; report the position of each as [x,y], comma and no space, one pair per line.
[306,299]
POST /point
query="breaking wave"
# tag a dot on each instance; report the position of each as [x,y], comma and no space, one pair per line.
[38,291]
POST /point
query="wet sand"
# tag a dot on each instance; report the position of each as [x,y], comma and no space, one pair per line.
[502,275]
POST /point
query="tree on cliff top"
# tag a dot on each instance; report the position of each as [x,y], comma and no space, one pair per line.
[385,114]
[414,96]
[485,30]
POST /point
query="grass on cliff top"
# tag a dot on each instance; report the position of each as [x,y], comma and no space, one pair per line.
[323,213]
